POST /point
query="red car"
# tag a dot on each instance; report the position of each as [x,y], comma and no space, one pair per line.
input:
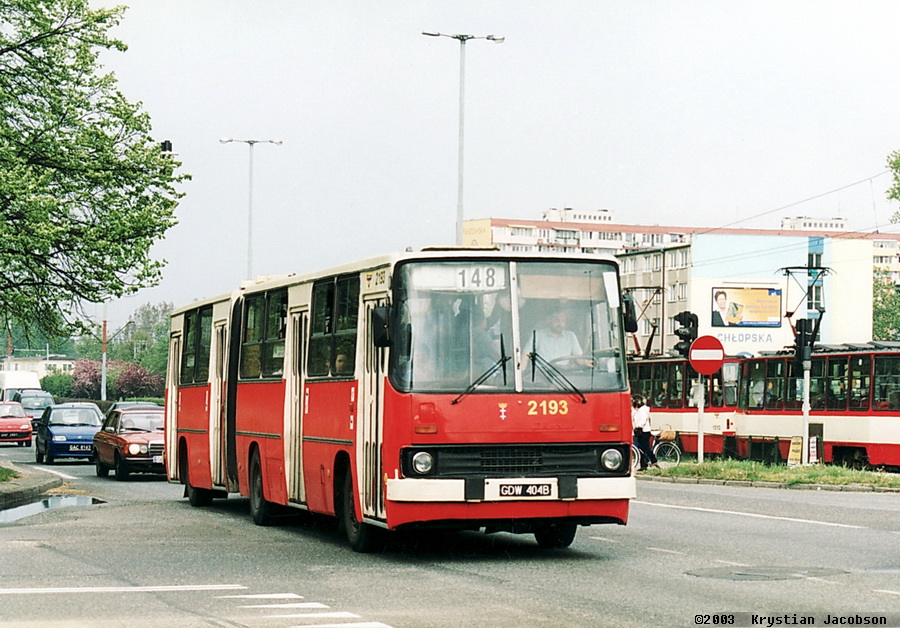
[130,441]
[15,426]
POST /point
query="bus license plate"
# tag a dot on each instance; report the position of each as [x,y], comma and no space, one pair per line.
[523,489]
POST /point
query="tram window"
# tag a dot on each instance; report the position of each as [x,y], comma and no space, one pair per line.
[817,384]
[774,399]
[730,377]
[676,382]
[660,390]
[860,370]
[756,382]
[793,398]
[887,383]
[836,384]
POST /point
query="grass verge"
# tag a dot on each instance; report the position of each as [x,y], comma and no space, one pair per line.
[7,474]
[749,471]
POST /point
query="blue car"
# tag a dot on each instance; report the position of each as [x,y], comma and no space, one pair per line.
[66,430]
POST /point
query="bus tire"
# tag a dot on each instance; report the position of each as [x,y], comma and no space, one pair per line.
[556,535]
[261,509]
[363,538]
[197,497]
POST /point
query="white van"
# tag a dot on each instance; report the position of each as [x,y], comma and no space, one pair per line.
[12,382]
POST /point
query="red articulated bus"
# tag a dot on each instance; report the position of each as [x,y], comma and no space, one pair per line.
[411,390]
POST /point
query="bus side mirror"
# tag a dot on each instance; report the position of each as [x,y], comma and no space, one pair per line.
[381,336]
[629,314]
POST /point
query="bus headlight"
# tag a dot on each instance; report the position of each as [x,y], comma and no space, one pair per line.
[422,462]
[611,459]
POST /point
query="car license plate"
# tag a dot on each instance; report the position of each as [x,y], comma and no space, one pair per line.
[522,489]
[79,447]
[157,459]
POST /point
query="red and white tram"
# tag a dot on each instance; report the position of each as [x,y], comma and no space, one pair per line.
[854,396]
[669,386]
[410,390]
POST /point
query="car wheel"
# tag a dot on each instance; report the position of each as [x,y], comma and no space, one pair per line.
[122,471]
[102,469]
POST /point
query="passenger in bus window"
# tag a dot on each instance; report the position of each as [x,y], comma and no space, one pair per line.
[343,364]
[554,340]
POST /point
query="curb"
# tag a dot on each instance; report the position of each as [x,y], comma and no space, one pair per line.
[849,488]
[27,487]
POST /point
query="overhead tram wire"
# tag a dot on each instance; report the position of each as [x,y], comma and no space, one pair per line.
[806,200]
[862,233]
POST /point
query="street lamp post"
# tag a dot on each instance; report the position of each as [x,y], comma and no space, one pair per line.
[462,91]
[250,144]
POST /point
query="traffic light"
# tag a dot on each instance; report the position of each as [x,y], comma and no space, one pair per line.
[687,333]
[803,341]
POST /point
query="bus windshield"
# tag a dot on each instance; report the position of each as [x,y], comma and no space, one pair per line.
[493,325]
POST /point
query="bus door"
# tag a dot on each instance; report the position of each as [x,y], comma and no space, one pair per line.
[174,369]
[294,401]
[217,405]
[371,406]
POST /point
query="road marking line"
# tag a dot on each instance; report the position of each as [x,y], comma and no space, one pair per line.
[601,538]
[728,562]
[361,624]
[188,587]
[297,605]
[59,473]
[667,551]
[263,596]
[886,591]
[752,514]
[333,615]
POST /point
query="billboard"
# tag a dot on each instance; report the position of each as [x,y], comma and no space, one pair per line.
[746,307]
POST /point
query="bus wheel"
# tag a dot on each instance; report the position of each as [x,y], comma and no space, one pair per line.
[197,497]
[363,538]
[556,535]
[261,510]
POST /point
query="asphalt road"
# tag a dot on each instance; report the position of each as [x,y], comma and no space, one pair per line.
[146,558]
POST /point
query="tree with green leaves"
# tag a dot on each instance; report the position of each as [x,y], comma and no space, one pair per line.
[894,191]
[885,307]
[85,190]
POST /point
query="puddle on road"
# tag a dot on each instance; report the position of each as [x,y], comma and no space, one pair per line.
[50,503]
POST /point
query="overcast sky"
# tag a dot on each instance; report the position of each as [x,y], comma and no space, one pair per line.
[695,113]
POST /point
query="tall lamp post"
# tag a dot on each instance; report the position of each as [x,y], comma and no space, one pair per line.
[462,91]
[251,144]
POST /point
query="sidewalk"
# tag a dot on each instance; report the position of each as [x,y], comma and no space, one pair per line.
[26,488]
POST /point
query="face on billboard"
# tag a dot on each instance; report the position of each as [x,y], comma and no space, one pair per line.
[746,307]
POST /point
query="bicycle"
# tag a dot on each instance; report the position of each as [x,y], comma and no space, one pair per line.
[666,450]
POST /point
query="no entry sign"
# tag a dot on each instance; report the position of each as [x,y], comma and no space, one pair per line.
[706,355]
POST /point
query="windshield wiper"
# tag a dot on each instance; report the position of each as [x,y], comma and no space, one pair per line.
[496,366]
[553,374]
